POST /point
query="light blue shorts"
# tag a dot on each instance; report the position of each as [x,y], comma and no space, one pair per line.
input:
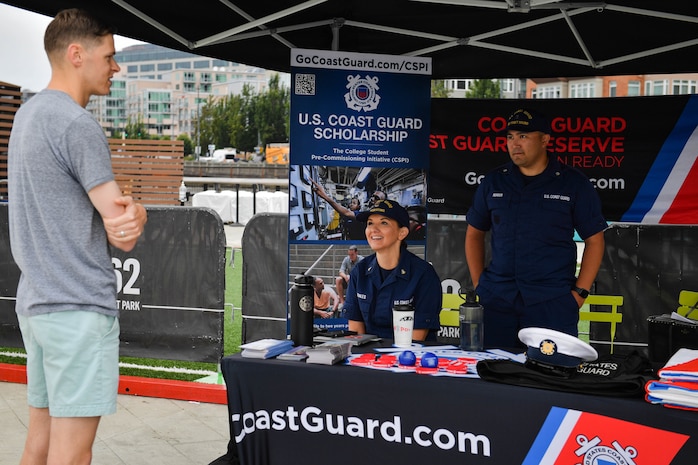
[72,362]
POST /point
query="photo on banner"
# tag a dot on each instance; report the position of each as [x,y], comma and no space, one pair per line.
[324,200]
[359,133]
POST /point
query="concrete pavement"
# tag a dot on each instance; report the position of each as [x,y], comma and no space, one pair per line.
[145,430]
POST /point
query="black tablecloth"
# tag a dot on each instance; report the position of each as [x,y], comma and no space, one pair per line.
[286,412]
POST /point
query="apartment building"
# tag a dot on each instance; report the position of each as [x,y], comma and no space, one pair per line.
[588,87]
[613,86]
[165,89]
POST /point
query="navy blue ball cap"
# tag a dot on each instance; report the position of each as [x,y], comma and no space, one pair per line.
[556,349]
[525,120]
[389,209]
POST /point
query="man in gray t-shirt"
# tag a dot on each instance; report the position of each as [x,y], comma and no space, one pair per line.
[65,209]
[348,264]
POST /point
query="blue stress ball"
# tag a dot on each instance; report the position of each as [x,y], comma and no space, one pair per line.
[430,360]
[407,358]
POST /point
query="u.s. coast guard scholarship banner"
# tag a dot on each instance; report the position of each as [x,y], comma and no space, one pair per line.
[359,132]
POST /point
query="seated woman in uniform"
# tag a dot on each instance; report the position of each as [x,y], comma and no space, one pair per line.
[391,276]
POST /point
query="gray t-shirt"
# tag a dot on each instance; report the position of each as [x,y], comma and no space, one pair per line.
[57,154]
[347,265]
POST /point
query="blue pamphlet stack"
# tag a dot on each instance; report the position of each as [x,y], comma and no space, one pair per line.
[265,348]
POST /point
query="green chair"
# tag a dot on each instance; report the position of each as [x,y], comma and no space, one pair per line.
[688,304]
[612,317]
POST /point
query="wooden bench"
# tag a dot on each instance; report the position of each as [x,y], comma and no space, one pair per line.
[150,171]
[10,101]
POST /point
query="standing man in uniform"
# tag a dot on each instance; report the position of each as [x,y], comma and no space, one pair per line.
[64,210]
[532,206]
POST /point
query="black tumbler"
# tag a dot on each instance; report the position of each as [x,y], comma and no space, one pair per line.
[302,311]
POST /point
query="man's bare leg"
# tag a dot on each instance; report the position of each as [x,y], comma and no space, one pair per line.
[65,441]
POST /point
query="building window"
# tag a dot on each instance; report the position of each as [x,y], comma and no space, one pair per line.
[132,68]
[633,88]
[202,64]
[148,68]
[546,92]
[658,87]
[612,89]
[683,86]
[582,90]
[164,66]
[183,65]
[507,85]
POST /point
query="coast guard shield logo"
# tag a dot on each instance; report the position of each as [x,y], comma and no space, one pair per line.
[595,454]
[572,437]
[362,93]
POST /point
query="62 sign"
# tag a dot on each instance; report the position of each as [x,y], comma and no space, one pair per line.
[129,268]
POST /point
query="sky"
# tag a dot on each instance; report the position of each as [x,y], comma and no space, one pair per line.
[23,61]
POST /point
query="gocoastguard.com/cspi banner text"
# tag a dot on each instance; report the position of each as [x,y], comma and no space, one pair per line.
[354,109]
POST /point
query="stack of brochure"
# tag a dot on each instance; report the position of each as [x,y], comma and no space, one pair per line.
[295,353]
[678,383]
[329,353]
[265,348]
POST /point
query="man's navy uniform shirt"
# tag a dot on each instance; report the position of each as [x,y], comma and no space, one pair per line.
[532,226]
[413,281]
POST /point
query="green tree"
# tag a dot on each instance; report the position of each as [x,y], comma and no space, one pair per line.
[188,144]
[272,113]
[246,120]
[209,124]
[246,128]
[235,119]
[439,90]
[136,129]
[483,88]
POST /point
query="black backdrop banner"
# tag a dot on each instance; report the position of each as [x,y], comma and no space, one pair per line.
[171,287]
[635,150]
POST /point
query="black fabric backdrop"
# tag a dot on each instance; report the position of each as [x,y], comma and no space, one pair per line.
[264,277]
[478,39]
[176,279]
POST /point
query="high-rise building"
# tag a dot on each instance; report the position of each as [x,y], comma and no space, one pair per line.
[164,89]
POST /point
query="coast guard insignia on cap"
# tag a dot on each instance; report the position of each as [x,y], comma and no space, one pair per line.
[547,347]
[555,348]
